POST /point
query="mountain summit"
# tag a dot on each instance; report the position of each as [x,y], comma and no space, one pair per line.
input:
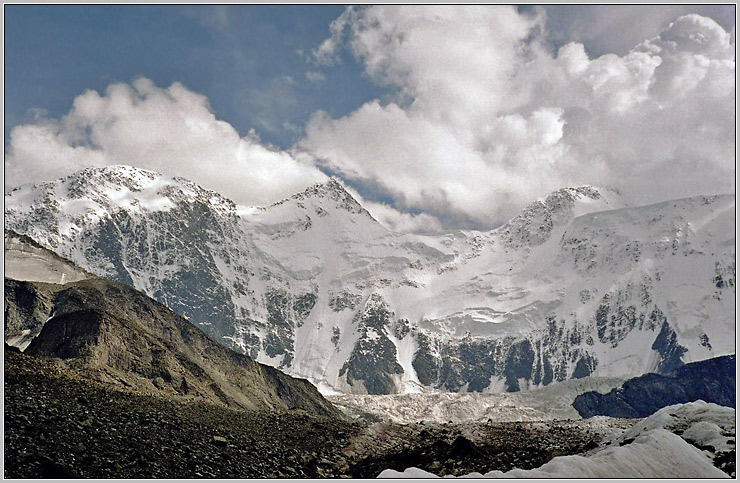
[535,223]
[333,190]
[577,284]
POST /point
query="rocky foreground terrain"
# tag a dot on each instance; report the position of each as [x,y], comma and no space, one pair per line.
[59,424]
[461,448]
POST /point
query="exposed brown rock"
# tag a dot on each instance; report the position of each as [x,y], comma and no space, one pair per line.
[113,333]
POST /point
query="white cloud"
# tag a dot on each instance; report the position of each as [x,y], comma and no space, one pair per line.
[496,119]
[486,118]
[172,131]
[396,220]
[316,77]
[400,222]
[328,52]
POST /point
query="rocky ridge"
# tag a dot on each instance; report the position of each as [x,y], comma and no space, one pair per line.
[577,285]
[59,424]
[711,381]
[113,333]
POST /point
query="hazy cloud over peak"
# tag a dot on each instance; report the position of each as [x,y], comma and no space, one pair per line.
[618,28]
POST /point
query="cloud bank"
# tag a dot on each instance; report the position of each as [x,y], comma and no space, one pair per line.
[170,130]
[488,118]
[484,117]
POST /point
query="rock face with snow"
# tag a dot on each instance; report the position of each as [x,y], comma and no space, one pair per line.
[578,284]
[711,381]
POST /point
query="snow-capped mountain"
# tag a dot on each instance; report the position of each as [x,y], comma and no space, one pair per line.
[578,284]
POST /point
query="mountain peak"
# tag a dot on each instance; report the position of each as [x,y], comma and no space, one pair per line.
[63,208]
[333,190]
[130,177]
[535,222]
[334,184]
[332,187]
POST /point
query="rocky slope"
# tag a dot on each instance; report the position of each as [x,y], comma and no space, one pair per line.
[577,285]
[711,381]
[113,333]
[59,424]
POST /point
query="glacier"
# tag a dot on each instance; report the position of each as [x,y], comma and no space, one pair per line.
[679,441]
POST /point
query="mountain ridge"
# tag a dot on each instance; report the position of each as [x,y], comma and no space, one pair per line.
[711,381]
[566,289]
[112,333]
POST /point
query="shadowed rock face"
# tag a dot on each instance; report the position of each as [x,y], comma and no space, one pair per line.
[27,306]
[712,381]
[115,334]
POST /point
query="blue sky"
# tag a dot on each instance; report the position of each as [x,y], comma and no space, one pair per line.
[380,97]
[249,60]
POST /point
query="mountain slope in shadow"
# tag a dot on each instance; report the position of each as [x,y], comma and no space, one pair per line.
[711,380]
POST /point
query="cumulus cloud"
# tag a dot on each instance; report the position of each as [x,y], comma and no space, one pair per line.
[170,130]
[328,52]
[489,118]
[618,28]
